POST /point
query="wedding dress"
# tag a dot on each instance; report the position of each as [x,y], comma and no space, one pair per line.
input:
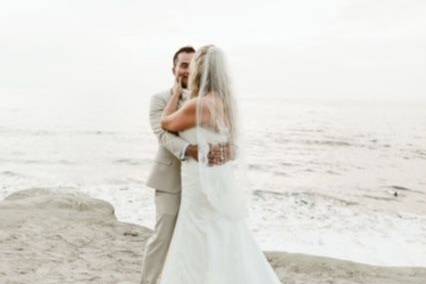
[208,247]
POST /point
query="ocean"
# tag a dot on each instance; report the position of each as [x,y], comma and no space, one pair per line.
[338,178]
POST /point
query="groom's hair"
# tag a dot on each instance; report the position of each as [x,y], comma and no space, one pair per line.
[185,49]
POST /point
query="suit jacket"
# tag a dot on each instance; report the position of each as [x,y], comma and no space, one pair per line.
[165,174]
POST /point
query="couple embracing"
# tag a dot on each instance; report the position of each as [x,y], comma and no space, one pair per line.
[201,234]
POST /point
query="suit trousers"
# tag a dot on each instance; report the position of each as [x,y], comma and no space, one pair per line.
[166,210]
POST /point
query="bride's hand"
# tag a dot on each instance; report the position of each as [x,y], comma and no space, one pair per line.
[220,154]
[177,88]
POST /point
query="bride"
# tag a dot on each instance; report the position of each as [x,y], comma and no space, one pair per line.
[212,243]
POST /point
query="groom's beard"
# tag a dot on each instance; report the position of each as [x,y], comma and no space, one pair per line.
[184,83]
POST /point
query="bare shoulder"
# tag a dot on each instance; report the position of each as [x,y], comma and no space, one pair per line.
[191,104]
[203,102]
[211,99]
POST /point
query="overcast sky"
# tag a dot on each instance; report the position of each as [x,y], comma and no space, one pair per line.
[303,48]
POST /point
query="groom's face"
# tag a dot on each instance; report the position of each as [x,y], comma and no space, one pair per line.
[181,68]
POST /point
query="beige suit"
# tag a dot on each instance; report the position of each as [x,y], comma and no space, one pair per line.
[165,179]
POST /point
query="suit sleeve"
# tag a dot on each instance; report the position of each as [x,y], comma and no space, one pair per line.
[175,144]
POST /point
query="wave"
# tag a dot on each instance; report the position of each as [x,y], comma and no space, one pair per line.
[305,130]
[280,173]
[11,174]
[287,164]
[125,181]
[271,194]
[131,162]
[304,197]
[44,132]
[403,188]
[27,132]
[38,162]
[325,142]
[97,132]
[258,167]
[379,197]
[420,154]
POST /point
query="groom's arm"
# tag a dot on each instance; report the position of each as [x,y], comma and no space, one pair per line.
[175,144]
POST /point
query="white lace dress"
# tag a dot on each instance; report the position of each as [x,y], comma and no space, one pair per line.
[208,248]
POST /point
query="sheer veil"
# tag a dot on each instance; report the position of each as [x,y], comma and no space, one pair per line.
[226,185]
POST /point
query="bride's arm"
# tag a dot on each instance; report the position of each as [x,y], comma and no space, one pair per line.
[172,104]
[175,120]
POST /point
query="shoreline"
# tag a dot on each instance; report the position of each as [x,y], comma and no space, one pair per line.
[70,237]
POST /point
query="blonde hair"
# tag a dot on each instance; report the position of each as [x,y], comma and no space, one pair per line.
[209,76]
[197,67]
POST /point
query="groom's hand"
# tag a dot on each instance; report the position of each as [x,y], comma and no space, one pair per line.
[192,152]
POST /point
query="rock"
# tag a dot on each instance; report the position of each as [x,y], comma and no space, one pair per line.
[54,237]
[293,268]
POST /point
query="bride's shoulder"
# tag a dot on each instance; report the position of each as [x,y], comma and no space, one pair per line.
[204,103]
[190,104]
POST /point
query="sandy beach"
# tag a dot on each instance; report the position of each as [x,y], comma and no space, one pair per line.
[48,236]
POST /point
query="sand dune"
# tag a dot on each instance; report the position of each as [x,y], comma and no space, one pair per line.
[56,237]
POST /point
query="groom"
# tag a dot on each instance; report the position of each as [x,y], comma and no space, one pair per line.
[165,175]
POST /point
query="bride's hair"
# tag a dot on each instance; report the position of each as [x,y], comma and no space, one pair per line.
[209,83]
[209,75]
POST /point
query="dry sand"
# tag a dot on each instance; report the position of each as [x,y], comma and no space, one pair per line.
[56,237]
